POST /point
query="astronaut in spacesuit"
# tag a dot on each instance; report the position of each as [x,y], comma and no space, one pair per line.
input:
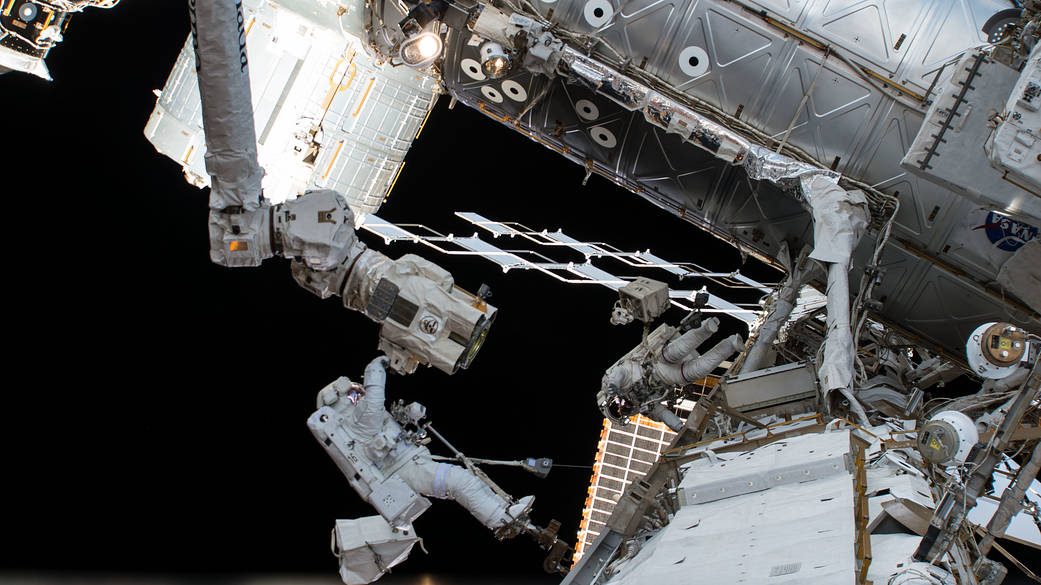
[375,448]
[642,379]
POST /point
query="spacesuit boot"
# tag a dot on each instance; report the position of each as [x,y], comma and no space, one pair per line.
[521,509]
[453,482]
[511,520]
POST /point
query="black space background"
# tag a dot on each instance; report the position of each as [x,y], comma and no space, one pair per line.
[153,404]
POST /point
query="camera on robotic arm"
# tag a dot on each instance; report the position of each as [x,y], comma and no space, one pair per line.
[422,27]
[645,300]
[424,317]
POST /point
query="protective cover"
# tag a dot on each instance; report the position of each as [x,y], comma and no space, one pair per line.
[318,227]
[15,61]
[368,547]
[219,36]
[840,218]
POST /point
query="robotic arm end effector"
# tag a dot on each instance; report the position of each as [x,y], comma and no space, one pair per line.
[425,318]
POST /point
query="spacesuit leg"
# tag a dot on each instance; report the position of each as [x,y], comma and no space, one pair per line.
[700,367]
[452,482]
[688,343]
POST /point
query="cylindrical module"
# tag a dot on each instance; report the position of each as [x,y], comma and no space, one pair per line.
[219,33]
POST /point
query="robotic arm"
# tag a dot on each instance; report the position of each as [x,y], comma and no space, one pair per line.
[425,318]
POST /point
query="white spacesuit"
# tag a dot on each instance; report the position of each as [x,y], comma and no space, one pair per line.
[645,377]
[386,462]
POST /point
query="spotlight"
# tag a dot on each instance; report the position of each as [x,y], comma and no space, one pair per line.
[495,60]
[421,50]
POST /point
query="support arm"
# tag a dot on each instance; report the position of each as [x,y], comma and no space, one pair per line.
[840,217]
[759,353]
[425,318]
[227,104]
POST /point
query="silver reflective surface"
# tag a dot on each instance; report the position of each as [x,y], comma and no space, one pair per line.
[858,125]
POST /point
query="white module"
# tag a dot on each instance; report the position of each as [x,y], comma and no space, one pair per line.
[1015,145]
[328,116]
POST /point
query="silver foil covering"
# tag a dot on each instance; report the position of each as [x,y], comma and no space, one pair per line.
[676,118]
[362,281]
[764,164]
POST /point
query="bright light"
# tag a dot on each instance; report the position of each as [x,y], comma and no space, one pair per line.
[421,50]
[428,46]
[494,60]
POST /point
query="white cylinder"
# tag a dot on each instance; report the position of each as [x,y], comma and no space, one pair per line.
[917,573]
[948,437]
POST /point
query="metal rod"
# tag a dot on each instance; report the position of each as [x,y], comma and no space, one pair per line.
[479,461]
[1004,177]
[932,85]
[1011,501]
[805,98]
[469,464]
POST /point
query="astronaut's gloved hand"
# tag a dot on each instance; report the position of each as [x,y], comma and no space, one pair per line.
[342,387]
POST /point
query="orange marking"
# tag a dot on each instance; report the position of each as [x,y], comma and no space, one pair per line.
[335,154]
[385,197]
[350,80]
[363,97]
[334,87]
[339,86]
[423,125]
